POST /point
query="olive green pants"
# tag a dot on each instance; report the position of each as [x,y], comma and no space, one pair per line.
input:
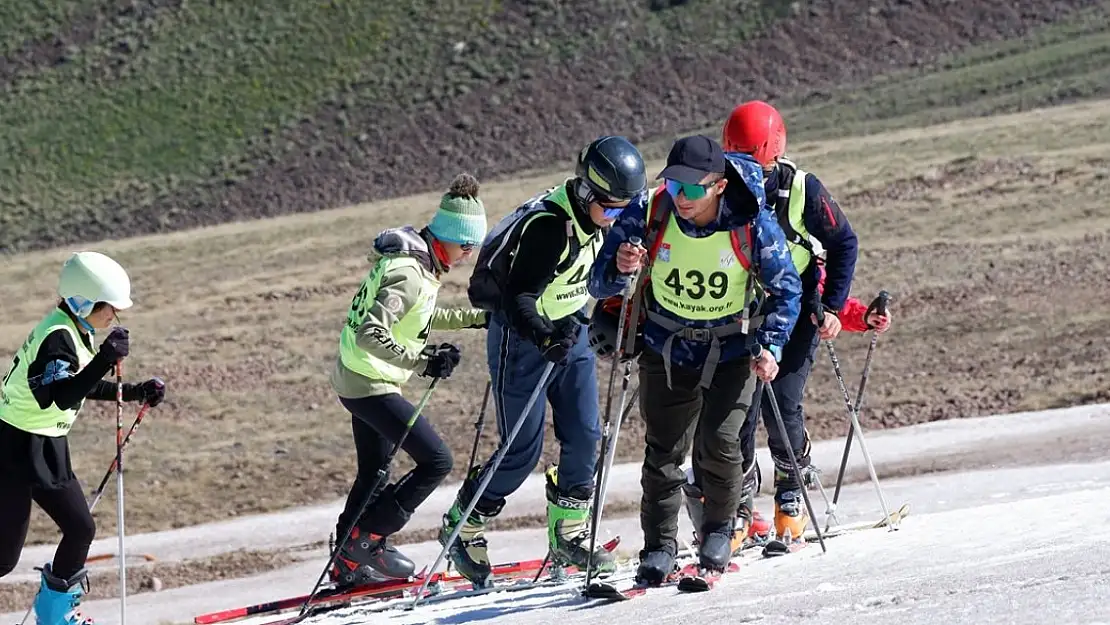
[682,417]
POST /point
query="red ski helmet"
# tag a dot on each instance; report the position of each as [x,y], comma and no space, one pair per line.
[755,128]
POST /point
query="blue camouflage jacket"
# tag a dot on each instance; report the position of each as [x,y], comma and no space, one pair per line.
[771,265]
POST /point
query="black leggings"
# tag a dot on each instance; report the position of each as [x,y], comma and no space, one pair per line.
[378,423]
[65,505]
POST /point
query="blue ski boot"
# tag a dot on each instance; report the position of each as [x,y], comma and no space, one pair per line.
[57,600]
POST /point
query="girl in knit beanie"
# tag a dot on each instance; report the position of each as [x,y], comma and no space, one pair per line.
[383,341]
[459,224]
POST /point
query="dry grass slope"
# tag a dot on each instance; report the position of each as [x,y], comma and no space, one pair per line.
[990,233]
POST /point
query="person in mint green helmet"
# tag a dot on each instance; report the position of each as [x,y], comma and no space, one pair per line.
[383,342]
[532,273]
[52,374]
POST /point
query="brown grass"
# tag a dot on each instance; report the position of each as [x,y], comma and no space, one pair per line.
[990,233]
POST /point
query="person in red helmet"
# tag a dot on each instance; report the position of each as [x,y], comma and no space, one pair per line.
[823,248]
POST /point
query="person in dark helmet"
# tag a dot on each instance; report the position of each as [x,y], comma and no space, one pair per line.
[708,244]
[532,274]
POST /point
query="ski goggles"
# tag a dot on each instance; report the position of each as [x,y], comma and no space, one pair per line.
[691,191]
[612,207]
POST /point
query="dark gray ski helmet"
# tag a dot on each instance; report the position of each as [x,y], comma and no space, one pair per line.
[611,168]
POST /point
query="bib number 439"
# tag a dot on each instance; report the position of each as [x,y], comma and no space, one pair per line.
[696,285]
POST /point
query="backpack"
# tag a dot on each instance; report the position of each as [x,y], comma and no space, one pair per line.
[498,251]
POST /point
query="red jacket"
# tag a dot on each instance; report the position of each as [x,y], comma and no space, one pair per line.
[853,315]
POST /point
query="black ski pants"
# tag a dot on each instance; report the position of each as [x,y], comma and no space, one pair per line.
[682,417]
[37,469]
[789,385]
[378,423]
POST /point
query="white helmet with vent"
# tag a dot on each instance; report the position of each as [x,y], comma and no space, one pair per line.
[91,277]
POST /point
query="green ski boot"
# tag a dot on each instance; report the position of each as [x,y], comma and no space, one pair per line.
[568,528]
[469,553]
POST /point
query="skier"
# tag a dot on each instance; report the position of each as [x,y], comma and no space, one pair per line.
[854,317]
[383,341]
[53,373]
[823,247]
[537,301]
[707,240]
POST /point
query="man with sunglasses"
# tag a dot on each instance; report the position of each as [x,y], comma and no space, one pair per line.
[532,274]
[708,243]
[823,247]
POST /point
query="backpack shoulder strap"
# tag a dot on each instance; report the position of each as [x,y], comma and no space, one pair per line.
[574,246]
[742,245]
[656,222]
[782,207]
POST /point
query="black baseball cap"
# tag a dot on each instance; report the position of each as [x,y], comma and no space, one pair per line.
[692,158]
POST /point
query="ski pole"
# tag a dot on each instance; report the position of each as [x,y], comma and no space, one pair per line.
[489,471]
[794,462]
[609,450]
[99,492]
[608,444]
[479,425]
[119,492]
[624,415]
[383,471]
[854,416]
[103,482]
[880,305]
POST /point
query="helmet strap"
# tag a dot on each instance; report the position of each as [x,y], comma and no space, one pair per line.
[583,194]
[81,307]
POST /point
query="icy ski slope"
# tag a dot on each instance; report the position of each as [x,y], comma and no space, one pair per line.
[1037,561]
[309,524]
[1019,531]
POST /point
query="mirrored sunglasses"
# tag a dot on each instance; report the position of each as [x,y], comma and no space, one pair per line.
[691,191]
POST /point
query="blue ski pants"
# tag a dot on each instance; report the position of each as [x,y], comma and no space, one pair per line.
[515,366]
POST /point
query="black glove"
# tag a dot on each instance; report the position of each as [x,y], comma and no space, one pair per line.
[117,345]
[555,349]
[152,392]
[442,360]
[568,328]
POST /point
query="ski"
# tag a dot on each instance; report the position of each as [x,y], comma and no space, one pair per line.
[895,517]
[386,589]
[689,578]
[569,577]
[697,579]
[442,586]
[607,590]
[776,547]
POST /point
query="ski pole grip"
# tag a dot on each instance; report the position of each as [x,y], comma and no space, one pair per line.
[880,305]
[635,242]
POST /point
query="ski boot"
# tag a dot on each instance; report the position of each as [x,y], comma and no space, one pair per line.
[57,600]
[368,558]
[718,546]
[695,508]
[656,565]
[750,523]
[469,553]
[568,527]
[790,512]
